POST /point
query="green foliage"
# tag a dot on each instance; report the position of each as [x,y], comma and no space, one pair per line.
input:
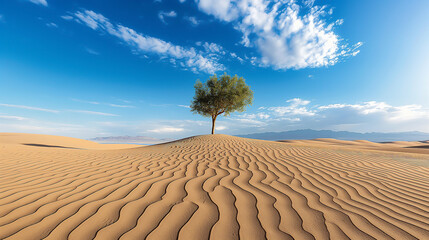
[221,96]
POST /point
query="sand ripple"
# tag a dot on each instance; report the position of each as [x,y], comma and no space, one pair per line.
[217,187]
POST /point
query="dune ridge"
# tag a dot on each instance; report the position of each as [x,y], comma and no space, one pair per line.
[217,187]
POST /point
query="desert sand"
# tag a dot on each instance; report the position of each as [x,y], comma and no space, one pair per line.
[217,187]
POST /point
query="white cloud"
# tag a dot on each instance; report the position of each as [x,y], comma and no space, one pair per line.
[166,130]
[222,9]
[92,51]
[122,100]
[408,112]
[193,20]
[94,113]
[53,128]
[84,101]
[297,107]
[120,106]
[51,24]
[339,22]
[388,112]
[220,128]
[8,117]
[263,115]
[249,121]
[213,48]
[285,34]
[184,106]
[370,116]
[67,17]
[29,108]
[297,113]
[365,108]
[298,101]
[361,117]
[162,15]
[40,2]
[234,55]
[255,116]
[188,58]
[108,104]
[308,3]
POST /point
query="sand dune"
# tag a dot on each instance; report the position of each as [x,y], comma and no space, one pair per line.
[398,146]
[217,187]
[41,140]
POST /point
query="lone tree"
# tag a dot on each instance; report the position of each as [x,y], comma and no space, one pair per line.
[221,96]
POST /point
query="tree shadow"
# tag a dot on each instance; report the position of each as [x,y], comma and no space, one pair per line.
[48,146]
[419,147]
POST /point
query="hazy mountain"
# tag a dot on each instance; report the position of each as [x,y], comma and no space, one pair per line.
[130,139]
[341,135]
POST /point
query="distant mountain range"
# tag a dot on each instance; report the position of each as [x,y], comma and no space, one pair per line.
[288,135]
[341,135]
[130,140]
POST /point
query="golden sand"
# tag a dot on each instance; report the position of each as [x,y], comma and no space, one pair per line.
[217,187]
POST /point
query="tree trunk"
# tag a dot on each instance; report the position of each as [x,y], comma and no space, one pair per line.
[213,123]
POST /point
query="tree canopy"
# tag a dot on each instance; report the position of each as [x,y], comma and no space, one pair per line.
[222,95]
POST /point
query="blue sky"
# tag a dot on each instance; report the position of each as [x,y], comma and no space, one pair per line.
[91,68]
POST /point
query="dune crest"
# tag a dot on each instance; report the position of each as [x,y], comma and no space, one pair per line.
[211,186]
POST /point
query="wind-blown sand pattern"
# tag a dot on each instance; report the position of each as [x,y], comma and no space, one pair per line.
[217,187]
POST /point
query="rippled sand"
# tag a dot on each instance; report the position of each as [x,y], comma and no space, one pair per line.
[218,187]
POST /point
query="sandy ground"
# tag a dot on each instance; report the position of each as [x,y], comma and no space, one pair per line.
[217,187]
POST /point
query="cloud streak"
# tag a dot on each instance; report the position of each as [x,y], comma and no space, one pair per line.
[29,108]
[187,58]
[8,117]
[92,51]
[84,101]
[39,2]
[52,25]
[184,106]
[120,106]
[167,130]
[94,113]
[108,104]
[361,117]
